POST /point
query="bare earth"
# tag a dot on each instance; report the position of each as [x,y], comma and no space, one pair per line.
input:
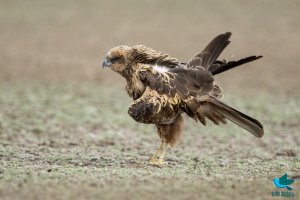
[64,128]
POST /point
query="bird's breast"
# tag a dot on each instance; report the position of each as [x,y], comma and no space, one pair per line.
[135,88]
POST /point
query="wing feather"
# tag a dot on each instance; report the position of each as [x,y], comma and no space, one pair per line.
[177,82]
[180,86]
[211,52]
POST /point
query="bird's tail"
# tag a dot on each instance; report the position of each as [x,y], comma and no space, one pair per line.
[222,66]
[208,57]
[217,111]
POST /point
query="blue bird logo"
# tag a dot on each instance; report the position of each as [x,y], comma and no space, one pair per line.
[284,182]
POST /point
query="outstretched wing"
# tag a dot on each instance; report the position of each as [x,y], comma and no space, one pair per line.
[285,181]
[289,181]
[211,52]
[208,57]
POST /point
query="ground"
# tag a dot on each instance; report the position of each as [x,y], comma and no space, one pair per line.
[78,141]
[64,128]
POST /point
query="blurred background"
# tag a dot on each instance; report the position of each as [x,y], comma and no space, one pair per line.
[67,40]
[64,128]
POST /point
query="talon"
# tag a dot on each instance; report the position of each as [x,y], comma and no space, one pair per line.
[158,158]
[158,163]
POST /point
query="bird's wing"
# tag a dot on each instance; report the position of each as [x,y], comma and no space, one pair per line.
[289,181]
[148,108]
[179,81]
[285,181]
[191,89]
[211,52]
[179,86]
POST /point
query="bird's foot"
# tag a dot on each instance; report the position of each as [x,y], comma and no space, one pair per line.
[157,162]
[158,158]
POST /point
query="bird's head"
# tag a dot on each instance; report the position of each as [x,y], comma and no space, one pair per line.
[118,59]
[124,59]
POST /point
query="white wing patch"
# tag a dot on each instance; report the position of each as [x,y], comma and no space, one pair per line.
[160,69]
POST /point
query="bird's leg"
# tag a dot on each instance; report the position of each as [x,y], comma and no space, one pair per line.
[158,157]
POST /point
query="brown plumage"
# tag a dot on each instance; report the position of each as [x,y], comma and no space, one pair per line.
[164,88]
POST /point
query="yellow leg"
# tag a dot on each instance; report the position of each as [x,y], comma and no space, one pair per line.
[158,157]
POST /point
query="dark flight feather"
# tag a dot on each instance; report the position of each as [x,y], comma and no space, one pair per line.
[211,52]
[208,57]
[211,106]
[221,66]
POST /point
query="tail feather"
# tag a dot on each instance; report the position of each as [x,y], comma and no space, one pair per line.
[220,110]
[219,66]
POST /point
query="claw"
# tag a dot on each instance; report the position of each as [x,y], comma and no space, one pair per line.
[158,163]
[158,158]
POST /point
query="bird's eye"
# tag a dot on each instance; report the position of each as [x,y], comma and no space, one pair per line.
[115,59]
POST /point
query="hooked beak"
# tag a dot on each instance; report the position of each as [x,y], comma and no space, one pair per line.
[106,63]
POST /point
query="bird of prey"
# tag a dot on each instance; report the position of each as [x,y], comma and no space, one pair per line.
[163,89]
